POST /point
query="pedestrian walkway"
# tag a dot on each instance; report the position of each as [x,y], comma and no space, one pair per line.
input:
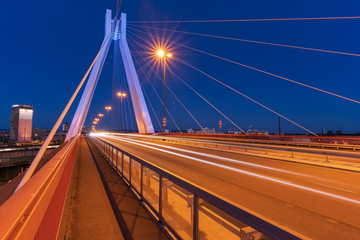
[100,205]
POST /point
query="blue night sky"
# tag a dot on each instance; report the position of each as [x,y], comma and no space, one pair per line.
[47,46]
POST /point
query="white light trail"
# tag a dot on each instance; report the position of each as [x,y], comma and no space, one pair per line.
[216,157]
[320,192]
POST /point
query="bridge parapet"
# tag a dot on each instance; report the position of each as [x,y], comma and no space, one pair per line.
[35,210]
[185,210]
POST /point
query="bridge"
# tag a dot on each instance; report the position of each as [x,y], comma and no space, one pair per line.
[158,185]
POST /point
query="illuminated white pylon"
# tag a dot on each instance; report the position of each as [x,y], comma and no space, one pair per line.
[143,119]
[142,116]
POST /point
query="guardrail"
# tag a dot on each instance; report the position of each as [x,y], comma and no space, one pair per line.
[35,210]
[9,153]
[184,210]
[350,143]
[15,163]
[275,152]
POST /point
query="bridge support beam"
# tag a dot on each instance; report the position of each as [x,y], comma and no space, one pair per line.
[142,116]
[84,104]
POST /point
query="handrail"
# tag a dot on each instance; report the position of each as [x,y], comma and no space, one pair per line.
[287,153]
[272,140]
[197,193]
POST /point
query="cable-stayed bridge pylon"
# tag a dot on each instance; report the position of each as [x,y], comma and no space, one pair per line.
[115,29]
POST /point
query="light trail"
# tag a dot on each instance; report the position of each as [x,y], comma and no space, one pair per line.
[232,160]
[215,157]
[320,192]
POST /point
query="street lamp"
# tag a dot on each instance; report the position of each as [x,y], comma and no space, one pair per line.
[100,116]
[121,95]
[107,108]
[162,55]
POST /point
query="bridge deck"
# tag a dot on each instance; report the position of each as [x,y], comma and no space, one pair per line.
[100,204]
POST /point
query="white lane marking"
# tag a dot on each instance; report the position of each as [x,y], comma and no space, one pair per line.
[303,150]
[231,160]
[217,157]
[333,187]
[250,174]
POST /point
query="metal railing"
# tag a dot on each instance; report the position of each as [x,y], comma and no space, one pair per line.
[346,143]
[9,153]
[318,156]
[182,209]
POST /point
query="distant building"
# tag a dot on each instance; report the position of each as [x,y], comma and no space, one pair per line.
[257,132]
[21,123]
[205,130]
[234,132]
[4,137]
[40,133]
[65,127]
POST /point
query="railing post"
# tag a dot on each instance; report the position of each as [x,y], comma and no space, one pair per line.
[130,170]
[141,181]
[195,217]
[160,198]
[106,150]
[116,153]
[112,156]
[122,163]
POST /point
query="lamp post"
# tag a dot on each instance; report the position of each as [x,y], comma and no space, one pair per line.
[121,95]
[96,121]
[100,116]
[161,54]
[107,108]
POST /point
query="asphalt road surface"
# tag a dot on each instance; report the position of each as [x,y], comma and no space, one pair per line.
[316,202]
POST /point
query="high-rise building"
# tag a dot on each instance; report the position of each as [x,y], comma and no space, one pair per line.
[65,127]
[21,123]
